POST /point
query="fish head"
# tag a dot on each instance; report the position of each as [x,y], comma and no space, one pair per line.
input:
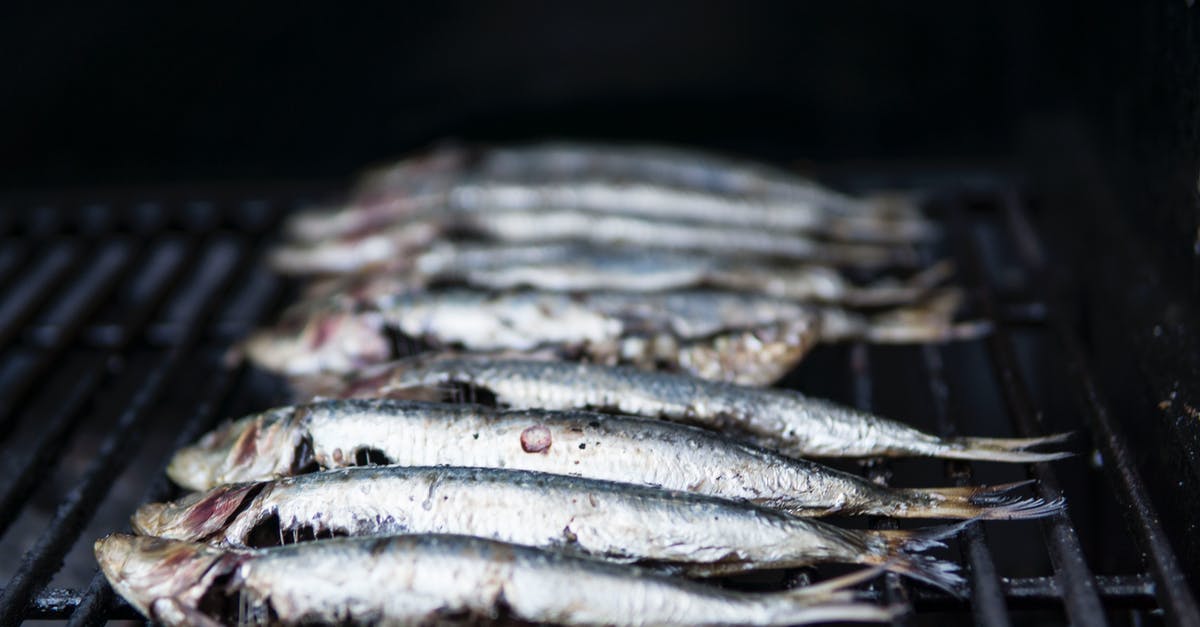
[320,340]
[157,574]
[356,250]
[416,174]
[271,444]
[197,516]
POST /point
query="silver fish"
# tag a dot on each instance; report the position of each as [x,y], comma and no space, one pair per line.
[782,420]
[638,180]
[686,168]
[378,247]
[667,203]
[581,268]
[617,522]
[741,338]
[333,434]
[435,579]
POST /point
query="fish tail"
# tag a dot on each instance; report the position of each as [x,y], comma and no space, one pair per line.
[868,255]
[891,291]
[836,610]
[929,321]
[313,225]
[835,587]
[974,502]
[895,205]
[1004,449]
[899,546]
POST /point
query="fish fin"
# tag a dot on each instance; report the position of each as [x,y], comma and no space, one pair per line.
[832,588]
[931,320]
[932,276]
[1004,449]
[975,502]
[839,611]
[899,558]
[311,386]
[168,611]
[891,292]
[895,204]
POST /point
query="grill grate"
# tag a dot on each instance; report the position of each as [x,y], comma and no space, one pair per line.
[98,299]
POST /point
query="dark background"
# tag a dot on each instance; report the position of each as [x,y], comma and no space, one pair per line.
[1095,104]
[162,93]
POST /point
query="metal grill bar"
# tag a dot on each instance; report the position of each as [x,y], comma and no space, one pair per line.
[60,338]
[12,257]
[987,594]
[42,560]
[53,437]
[28,296]
[98,598]
[92,606]
[894,591]
[34,284]
[1066,555]
[1172,588]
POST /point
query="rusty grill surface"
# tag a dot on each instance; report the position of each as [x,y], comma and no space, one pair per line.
[116,310]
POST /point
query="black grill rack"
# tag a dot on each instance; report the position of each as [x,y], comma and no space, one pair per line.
[116,309]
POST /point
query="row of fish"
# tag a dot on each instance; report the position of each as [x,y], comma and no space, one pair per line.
[586,433]
[618,255]
[653,198]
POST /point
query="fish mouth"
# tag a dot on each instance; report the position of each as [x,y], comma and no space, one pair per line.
[145,570]
[253,448]
[326,341]
[149,518]
[196,467]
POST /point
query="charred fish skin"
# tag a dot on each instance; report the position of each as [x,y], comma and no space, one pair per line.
[423,579]
[334,434]
[783,420]
[616,522]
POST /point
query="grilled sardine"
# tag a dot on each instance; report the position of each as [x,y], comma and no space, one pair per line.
[727,336]
[410,580]
[378,247]
[648,181]
[575,268]
[782,420]
[332,434]
[618,522]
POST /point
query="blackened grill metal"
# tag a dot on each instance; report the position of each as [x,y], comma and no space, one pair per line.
[61,259]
